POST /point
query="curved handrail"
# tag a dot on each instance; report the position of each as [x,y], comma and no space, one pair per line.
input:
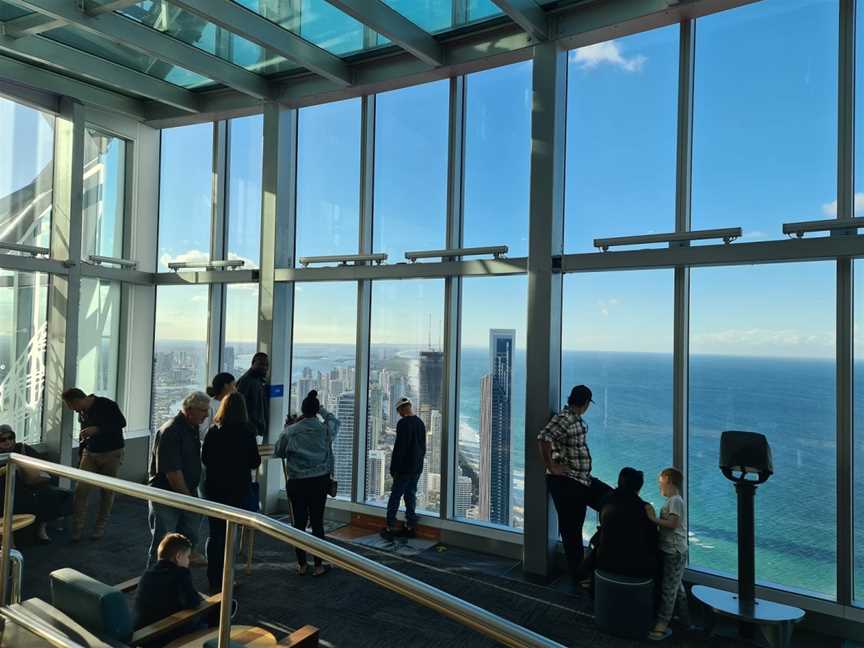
[472,616]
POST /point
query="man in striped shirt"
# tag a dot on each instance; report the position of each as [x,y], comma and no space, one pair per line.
[564,448]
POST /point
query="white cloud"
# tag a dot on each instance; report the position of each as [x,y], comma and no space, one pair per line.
[609,52]
[758,341]
[830,209]
[189,255]
[606,305]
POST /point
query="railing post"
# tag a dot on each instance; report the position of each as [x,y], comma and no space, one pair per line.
[227,586]
[8,507]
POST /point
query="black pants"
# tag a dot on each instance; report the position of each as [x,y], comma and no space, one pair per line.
[571,501]
[308,498]
[216,544]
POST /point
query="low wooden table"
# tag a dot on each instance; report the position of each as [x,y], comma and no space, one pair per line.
[243,635]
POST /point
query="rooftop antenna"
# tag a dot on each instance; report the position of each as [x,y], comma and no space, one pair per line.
[429,333]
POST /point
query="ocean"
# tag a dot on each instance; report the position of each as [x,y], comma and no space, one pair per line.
[791,401]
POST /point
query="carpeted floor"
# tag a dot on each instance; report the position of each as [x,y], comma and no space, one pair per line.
[350,611]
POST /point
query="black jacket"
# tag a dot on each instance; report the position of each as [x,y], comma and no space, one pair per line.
[254,390]
[230,453]
[164,589]
[106,415]
[627,540]
[410,447]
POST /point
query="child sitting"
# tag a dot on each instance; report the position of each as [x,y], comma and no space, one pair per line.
[166,587]
[673,548]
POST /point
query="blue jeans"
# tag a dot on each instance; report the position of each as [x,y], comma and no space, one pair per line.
[403,486]
[165,519]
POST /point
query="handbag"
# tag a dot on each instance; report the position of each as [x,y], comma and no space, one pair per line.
[333,486]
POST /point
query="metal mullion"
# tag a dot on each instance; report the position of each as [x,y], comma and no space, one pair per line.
[545,243]
[452,303]
[364,300]
[681,298]
[218,235]
[844,308]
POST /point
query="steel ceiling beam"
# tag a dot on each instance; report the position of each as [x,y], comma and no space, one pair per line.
[68,59]
[125,31]
[32,76]
[528,15]
[254,27]
[389,22]
[37,23]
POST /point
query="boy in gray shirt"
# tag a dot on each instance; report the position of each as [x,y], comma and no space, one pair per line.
[673,547]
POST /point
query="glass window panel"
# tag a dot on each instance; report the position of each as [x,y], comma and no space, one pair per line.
[858,429]
[405,359]
[859,115]
[762,360]
[498,157]
[185,194]
[192,30]
[479,9]
[429,15]
[621,107]
[26,174]
[126,56]
[617,339]
[765,116]
[99,337]
[328,179]
[246,152]
[23,342]
[411,169]
[324,351]
[179,348]
[104,194]
[241,328]
[490,480]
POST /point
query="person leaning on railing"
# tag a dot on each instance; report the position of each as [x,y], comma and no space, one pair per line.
[307,447]
[101,448]
[229,454]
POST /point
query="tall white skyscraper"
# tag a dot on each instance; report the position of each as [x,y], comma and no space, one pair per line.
[343,446]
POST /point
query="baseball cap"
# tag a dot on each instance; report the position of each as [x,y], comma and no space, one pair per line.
[402,402]
[580,395]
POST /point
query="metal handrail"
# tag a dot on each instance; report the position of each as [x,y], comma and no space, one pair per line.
[472,616]
[37,626]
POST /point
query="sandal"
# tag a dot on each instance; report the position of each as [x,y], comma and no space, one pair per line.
[656,635]
[324,567]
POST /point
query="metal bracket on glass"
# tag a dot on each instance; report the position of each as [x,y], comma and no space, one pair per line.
[798,230]
[123,263]
[450,254]
[728,235]
[344,259]
[231,264]
[32,250]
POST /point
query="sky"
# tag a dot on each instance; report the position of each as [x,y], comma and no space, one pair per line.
[764,153]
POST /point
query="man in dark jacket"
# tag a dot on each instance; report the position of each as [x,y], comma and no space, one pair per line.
[406,464]
[101,449]
[175,465]
[253,386]
[35,492]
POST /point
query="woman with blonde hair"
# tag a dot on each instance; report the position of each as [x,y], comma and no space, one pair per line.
[230,453]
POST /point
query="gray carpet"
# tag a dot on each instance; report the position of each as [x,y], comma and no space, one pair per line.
[350,611]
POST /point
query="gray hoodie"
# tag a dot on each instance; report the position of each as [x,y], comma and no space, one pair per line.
[307,446]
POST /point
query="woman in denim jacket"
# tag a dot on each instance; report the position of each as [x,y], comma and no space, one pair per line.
[307,448]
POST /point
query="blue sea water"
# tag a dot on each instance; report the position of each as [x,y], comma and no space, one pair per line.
[791,401]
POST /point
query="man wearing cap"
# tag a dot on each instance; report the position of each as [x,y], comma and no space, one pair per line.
[564,448]
[406,464]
